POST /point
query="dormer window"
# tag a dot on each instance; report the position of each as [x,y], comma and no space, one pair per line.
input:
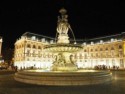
[101,41]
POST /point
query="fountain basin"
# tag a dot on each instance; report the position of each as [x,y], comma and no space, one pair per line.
[63,48]
[58,78]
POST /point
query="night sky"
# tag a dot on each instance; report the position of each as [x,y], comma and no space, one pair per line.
[87,19]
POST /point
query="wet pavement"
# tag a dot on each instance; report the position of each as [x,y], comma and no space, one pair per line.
[9,86]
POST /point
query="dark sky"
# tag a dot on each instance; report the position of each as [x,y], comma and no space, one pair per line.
[87,19]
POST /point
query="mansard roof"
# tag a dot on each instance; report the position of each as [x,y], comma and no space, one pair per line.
[110,38]
[114,37]
[36,36]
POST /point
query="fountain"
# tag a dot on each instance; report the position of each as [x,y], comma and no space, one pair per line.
[64,49]
[64,70]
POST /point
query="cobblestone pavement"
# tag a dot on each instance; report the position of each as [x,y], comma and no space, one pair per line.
[9,86]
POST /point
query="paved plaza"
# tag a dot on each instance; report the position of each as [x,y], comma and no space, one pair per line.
[9,86]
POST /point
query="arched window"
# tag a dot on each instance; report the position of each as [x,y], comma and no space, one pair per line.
[100,49]
[96,50]
[80,56]
[39,55]
[91,50]
[16,47]
[28,46]
[28,52]
[91,54]
[112,48]
[34,46]
[85,50]
[19,46]
[106,49]
[33,54]
[85,55]
[22,45]
[120,47]
[96,54]
[39,47]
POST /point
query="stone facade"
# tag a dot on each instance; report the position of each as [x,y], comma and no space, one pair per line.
[104,52]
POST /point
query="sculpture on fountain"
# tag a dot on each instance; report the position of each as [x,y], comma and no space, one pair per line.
[63,27]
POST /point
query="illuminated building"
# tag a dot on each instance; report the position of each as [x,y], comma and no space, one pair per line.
[0,44]
[108,51]
[1,60]
[29,51]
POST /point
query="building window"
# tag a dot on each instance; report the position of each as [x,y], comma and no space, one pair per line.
[112,39]
[85,55]
[80,56]
[106,54]
[96,54]
[39,47]
[106,49]
[101,41]
[28,52]
[91,54]
[39,55]
[120,53]
[91,50]
[16,47]
[121,63]
[112,48]
[85,50]
[28,46]
[33,54]
[43,40]
[19,46]
[101,55]
[34,46]
[100,49]
[96,50]
[120,47]
[113,62]
[112,54]
[80,60]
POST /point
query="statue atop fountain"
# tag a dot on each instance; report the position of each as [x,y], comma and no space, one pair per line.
[63,27]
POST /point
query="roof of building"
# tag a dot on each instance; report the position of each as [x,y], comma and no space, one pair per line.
[29,34]
[120,36]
